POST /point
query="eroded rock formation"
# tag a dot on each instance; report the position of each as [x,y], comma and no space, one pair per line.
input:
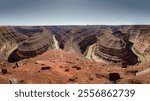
[9,40]
[115,47]
[78,38]
[85,41]
[140,36]
[8,34]
[29,30]
[35,45]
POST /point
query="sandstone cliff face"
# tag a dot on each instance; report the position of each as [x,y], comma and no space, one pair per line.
[115,47]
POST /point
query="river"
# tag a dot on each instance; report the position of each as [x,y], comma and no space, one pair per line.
[56,44]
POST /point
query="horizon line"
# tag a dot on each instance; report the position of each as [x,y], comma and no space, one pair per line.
[71,24]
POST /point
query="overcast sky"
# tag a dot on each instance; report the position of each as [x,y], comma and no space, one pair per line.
[74,12]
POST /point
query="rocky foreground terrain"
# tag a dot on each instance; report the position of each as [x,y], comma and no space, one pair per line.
[75,54]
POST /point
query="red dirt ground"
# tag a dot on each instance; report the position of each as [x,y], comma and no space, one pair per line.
[60,67]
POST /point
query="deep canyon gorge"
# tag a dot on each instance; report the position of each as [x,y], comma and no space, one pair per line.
[74,54]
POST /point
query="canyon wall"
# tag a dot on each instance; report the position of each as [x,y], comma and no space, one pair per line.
[115,47]
[9,40]
[140,36]
[36,44]
[78,38]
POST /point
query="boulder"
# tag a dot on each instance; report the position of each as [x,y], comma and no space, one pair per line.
[4,71]
[114,76]
[45,68]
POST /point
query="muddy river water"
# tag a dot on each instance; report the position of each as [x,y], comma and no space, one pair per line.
[56,44]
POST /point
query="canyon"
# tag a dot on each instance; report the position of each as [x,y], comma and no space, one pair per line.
[74,54]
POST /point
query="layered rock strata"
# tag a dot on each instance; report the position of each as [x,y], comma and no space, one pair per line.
[8,34]
[9,40]
[78,39]
[28,30]
[140,36]
[85,42]
[115,47]
[35,45]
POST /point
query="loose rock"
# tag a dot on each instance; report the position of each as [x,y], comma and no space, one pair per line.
[73,78]
[4,71]
[18,64]
[66,70]
[76,67]
[45,68]
[13,81]
[114,76]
